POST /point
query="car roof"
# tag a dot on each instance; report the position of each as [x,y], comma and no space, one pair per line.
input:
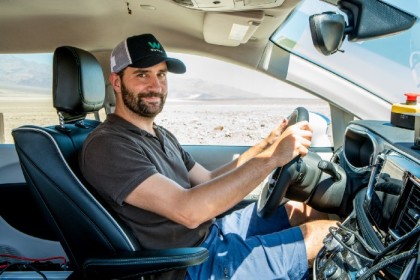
[39,26]
[233,31]
[204,27]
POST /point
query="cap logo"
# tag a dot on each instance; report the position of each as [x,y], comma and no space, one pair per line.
[154,45]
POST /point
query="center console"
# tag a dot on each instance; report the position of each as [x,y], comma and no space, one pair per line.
[379,239]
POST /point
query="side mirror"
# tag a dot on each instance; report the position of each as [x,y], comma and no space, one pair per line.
[327,30]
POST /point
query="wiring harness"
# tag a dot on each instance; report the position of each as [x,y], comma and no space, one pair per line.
[20,263]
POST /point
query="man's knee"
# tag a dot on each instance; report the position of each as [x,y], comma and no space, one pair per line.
[313,235]
[300,213]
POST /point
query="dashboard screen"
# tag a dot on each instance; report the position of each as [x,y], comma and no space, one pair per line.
[392,198]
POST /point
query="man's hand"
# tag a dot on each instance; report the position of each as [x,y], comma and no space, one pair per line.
[275,133]
[294,140]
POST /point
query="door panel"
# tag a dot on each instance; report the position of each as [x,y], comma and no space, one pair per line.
[213,156]
[10,171]
[17,207]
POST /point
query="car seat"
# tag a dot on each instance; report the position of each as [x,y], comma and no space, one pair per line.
[97,243]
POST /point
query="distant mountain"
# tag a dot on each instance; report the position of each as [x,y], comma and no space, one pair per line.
[16,73]
[20,72]
[182,88]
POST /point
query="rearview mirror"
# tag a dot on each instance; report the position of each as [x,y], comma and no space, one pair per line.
[367,19]
[327,30]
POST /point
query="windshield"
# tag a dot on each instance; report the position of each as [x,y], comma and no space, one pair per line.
[388,66]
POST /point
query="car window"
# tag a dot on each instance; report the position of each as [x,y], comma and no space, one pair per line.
[364,63]
[222,103]
[25,86]
[214,103]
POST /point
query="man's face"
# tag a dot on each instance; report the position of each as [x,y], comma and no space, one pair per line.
[144,90]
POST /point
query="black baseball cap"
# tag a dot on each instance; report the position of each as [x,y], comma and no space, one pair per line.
[142,51]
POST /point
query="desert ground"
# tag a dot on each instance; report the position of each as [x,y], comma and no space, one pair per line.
[225,122]
[214,122]
[230,122]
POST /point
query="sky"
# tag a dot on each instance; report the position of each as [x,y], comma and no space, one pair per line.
[45,58]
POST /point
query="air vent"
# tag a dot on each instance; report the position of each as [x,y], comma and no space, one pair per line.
[411,208]
[411,213]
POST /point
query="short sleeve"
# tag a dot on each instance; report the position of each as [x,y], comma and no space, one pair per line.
[114,166]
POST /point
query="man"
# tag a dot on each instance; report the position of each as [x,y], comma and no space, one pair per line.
[169,200]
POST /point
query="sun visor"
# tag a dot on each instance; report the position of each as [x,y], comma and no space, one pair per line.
[231,29]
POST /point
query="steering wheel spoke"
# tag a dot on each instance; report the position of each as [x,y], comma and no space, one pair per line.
[273,193]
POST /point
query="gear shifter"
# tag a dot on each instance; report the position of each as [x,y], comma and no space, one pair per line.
[328,167]
[329,193]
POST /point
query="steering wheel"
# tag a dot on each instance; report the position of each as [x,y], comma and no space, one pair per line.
[274,191]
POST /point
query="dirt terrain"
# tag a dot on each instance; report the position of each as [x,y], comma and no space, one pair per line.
[230,122]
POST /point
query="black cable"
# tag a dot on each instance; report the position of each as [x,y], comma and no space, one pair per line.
[38,271]
[9,256]
[366,228]
[5,268]
[407,236]
[26,264]
[397,258]
[392,246]
[334,235]
[366,246]
[417,264]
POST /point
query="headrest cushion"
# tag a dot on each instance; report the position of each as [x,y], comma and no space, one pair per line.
[78,81]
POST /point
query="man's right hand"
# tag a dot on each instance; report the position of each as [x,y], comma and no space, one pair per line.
[294,141]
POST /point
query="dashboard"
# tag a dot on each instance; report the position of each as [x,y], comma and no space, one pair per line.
[379,239]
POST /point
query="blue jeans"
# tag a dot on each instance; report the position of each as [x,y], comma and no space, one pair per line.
[245,246]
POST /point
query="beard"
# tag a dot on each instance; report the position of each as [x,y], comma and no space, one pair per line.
[135,103]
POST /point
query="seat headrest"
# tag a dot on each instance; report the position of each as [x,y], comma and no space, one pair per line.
[78,83]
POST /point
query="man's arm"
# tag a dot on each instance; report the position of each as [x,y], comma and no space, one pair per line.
[199,172]
[191,207]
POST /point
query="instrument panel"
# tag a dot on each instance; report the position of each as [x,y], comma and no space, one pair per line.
[380,237]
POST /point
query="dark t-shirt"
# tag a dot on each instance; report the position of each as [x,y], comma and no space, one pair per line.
[118,156]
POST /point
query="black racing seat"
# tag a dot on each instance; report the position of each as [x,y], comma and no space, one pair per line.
[97,243]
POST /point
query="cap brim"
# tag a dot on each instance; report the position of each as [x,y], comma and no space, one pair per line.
[174,65]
